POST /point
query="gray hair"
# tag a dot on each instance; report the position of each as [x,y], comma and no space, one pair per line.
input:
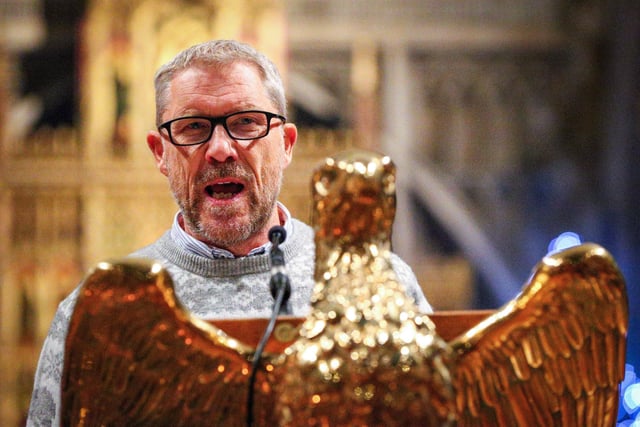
[219,53]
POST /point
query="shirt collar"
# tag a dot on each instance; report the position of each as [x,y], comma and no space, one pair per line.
[197,247]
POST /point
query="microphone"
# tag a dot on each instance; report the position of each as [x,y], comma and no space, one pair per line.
[277,234]
[281,291]
[279,282]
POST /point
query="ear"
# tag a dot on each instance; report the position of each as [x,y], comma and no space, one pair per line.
[290,139]
[156,145]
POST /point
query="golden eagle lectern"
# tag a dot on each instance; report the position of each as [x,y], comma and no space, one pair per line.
[553,356]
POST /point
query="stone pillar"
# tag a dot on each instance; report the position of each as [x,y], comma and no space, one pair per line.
[398,138]
[364,88]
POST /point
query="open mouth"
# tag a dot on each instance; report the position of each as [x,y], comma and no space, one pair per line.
[224,190]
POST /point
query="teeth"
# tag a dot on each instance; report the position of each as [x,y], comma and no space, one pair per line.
[222,195]
[224,190]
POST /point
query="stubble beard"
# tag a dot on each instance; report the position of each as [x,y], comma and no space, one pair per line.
[227,226]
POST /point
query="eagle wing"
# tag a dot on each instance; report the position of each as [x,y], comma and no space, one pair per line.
[135,356]
[554,356]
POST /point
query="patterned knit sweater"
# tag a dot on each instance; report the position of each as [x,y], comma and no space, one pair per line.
[221,288]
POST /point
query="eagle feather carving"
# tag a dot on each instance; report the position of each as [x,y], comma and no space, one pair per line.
[553,356]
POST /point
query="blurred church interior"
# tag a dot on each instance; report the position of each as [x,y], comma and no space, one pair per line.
[510,123]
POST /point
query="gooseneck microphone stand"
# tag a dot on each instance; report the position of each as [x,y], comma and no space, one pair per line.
[280,288]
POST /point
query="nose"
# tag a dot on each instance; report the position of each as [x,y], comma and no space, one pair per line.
[220,147]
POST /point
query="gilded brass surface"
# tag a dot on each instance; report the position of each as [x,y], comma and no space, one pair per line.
[365,356]
[553,356]
[135,356]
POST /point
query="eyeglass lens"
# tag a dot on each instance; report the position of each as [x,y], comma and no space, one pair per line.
[243,126]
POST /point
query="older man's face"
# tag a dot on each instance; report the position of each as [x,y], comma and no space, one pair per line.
[227,193]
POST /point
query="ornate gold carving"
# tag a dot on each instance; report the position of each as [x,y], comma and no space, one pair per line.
[285,332]
[365,355]
[553,356]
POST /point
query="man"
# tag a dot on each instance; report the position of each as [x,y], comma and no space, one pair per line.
[223,142]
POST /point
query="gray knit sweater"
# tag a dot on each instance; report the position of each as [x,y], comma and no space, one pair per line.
[221,288]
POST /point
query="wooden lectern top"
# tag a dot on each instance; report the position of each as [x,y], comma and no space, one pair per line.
[449,325]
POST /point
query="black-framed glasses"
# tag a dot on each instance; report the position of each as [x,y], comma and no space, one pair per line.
[241,126]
